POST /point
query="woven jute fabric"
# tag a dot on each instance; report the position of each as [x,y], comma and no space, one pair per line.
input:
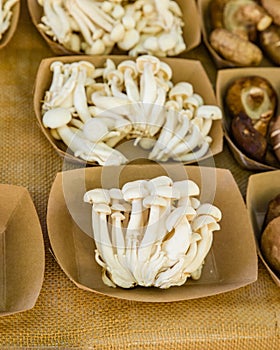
[67,317]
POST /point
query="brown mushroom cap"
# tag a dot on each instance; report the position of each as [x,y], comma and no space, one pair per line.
[270,244]
[273,210]
[247,138]
[253,95]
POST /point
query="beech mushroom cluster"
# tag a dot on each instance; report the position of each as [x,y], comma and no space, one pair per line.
[151,232]
[95,27]
[93,109]
[6,15]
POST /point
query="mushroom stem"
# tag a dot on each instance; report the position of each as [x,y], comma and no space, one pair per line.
[80,98]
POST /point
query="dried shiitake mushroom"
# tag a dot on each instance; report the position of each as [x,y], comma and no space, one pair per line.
[248,139]
[254,96]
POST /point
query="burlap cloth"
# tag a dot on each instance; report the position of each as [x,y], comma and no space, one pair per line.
[67,317]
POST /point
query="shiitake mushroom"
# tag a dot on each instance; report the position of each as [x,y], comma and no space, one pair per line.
[270,238]
[248,139]
[274,136]
[253,95]
[251,103]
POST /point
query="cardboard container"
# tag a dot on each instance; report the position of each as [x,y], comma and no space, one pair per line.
[22,256]
[7,36]
[225,77]
[261,189]
[229,265]
[205,22]
[191,29]
[183,70]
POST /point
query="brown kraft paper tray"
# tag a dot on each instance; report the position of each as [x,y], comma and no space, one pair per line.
[229,264]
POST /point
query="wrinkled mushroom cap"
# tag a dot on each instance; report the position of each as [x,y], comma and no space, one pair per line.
[56,118]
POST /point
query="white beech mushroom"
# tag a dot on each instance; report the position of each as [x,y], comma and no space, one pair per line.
[133,193]
[58,118]
[161,248]
[109,260]
[133,100]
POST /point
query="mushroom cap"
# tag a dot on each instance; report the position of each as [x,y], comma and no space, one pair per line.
[172,104]
[154,201]
[97,195]
[182,89]
[136,183]
[116,193]
[134,193]
[128,65]
[205,220]
[209,209]
[134,190]
[186,188]
[56,64]
[117,214]
[89,67]
[142,60]
[117,33]
[130,39]
[102,208]
[115,74]
[118,207]
[95,129]
[160,181]
[177,215]
[165,71]
[166,192]
[56,118]
[209,112]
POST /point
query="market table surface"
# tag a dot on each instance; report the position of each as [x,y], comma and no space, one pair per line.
[67,317]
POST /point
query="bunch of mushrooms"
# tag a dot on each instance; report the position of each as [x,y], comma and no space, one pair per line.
[151,233]
[6,15]
[95,27]
[92,110]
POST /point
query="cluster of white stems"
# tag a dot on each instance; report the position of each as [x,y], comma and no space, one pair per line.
[151,232]
[92,110]
[6,14]
[95,27]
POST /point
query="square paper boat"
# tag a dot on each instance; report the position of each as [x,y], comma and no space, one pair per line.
[230,264]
